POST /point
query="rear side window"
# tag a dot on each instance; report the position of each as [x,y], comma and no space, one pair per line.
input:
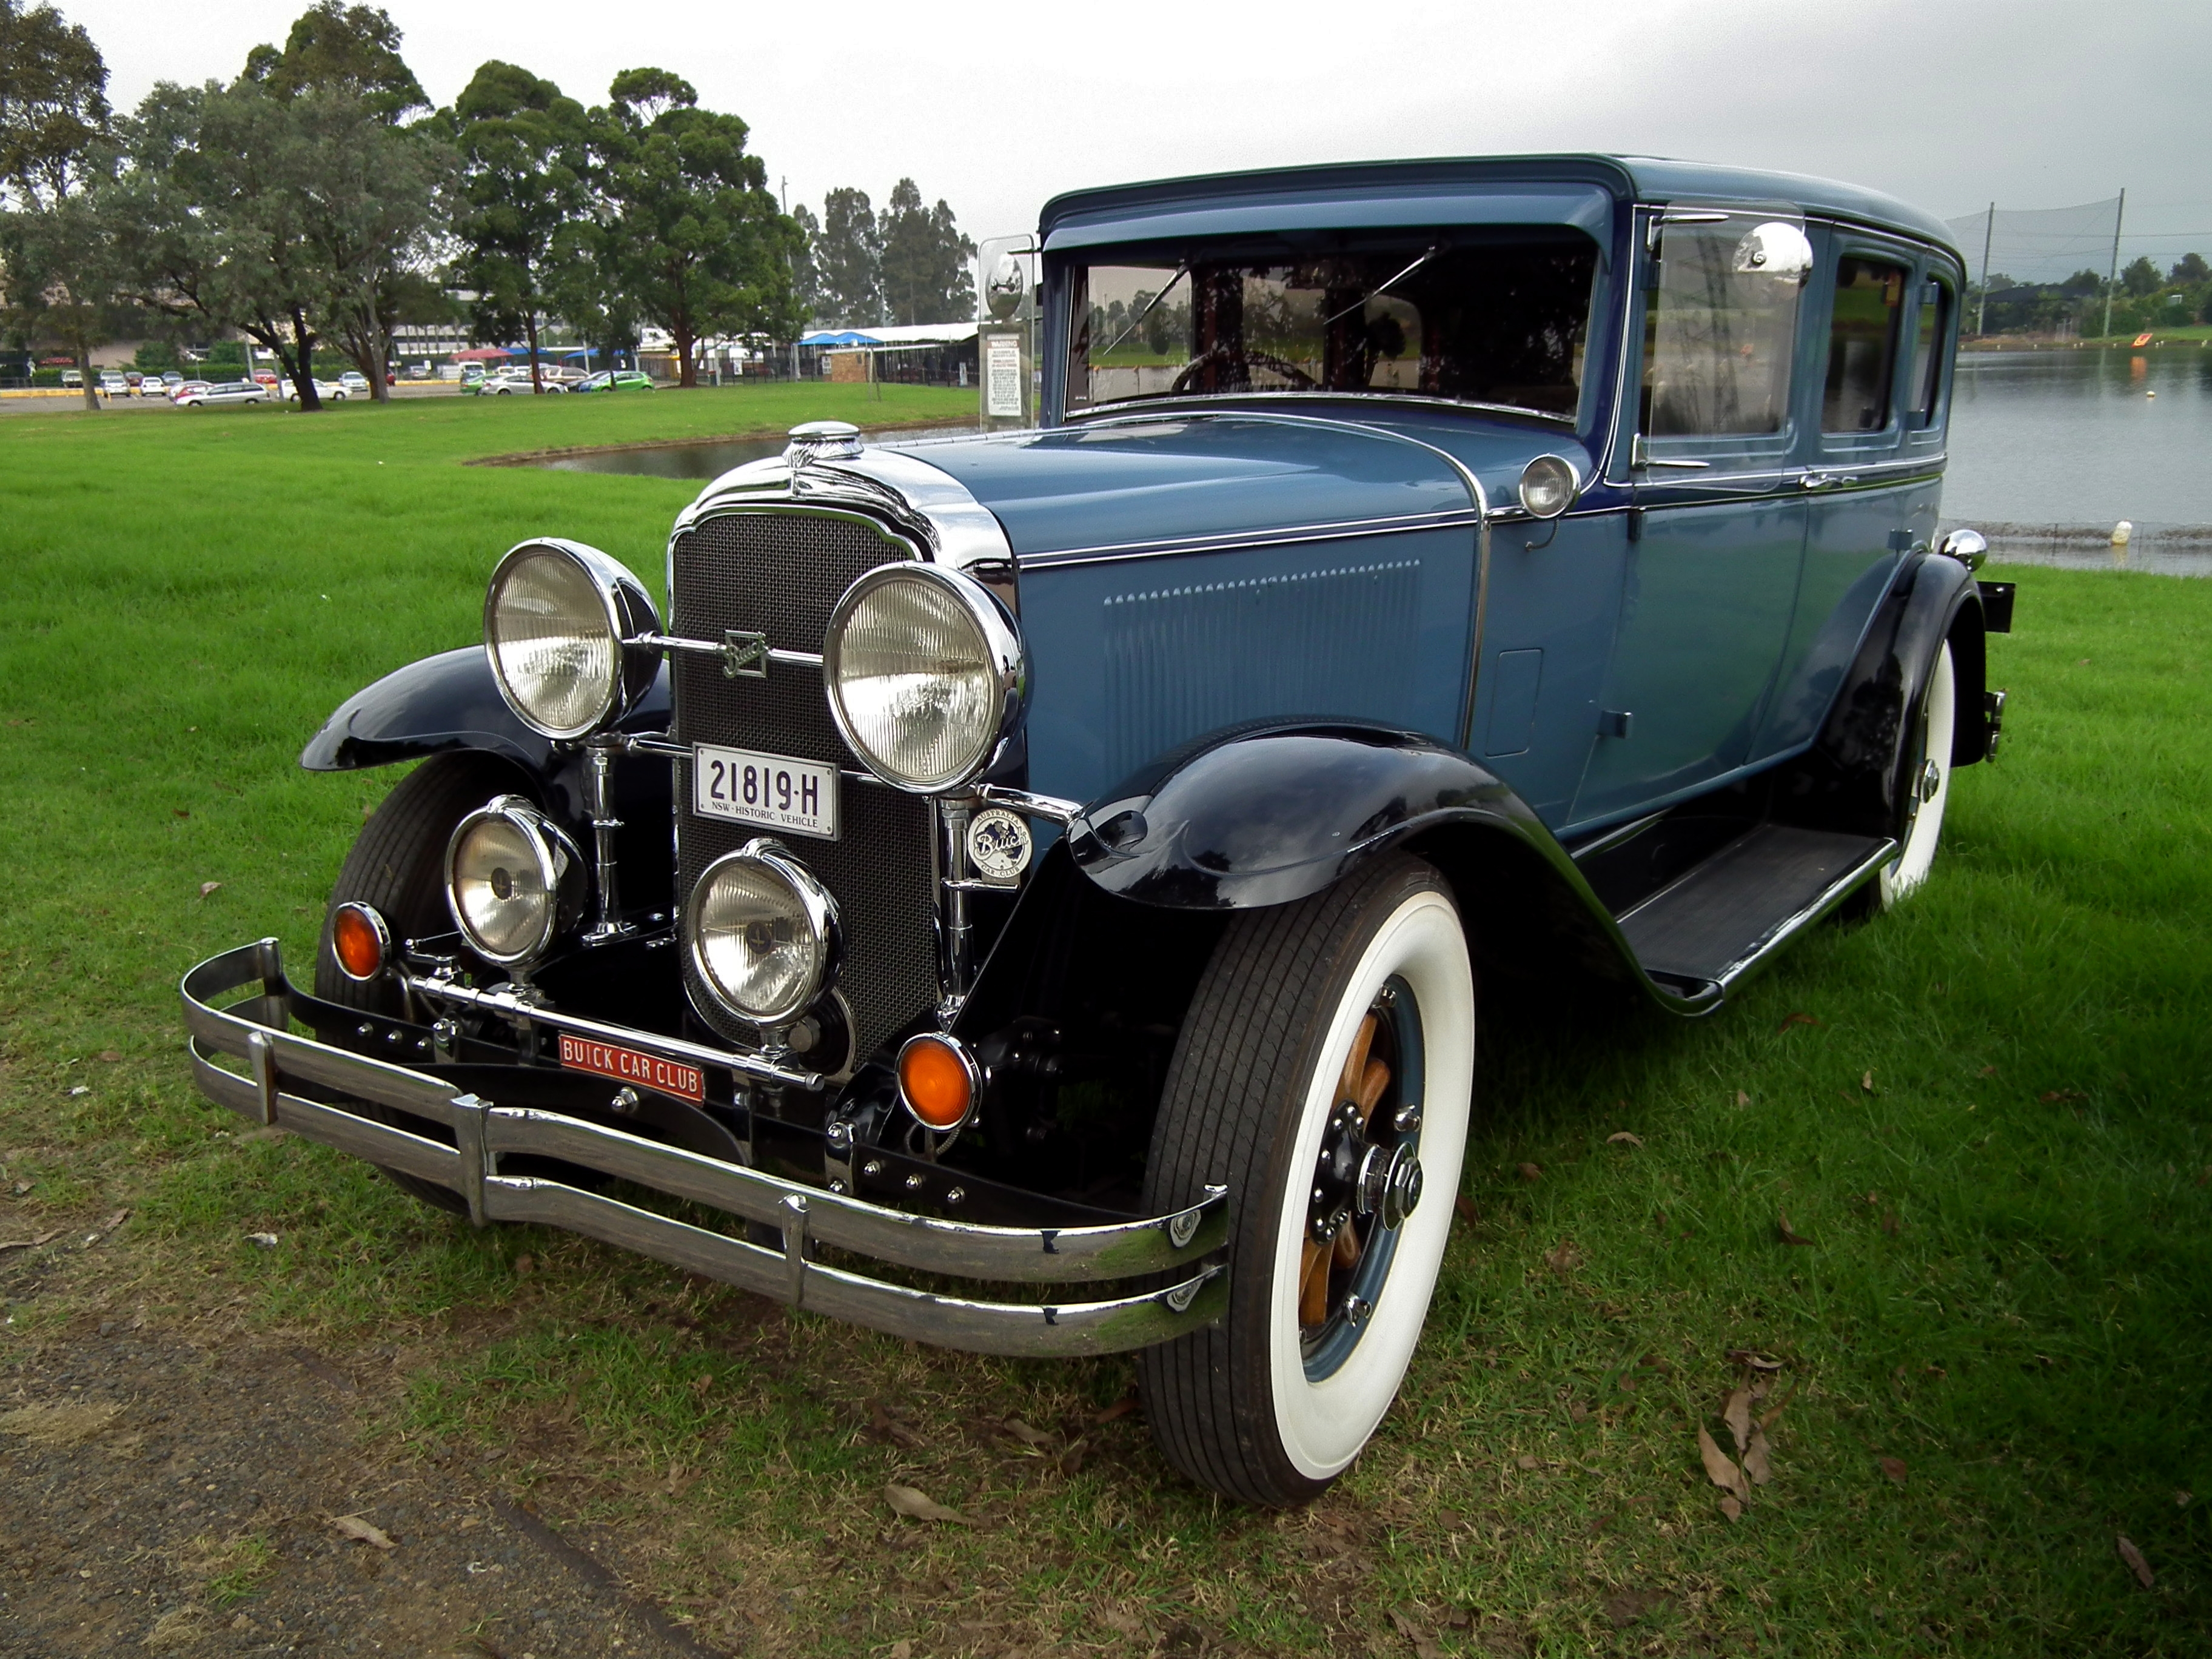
[1934,329]
[1862,345]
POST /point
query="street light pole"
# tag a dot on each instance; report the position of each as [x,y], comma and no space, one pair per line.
[1982,310]
[2112,281]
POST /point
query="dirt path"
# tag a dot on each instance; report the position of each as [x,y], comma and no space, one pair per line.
[162,1495]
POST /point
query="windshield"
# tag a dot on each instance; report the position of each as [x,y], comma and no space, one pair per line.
[1498,319]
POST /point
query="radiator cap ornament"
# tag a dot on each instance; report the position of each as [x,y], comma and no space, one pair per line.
[822,440]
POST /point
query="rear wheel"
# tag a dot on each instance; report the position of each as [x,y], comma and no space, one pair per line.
[397,865]
[1323,1075]
[1925,783]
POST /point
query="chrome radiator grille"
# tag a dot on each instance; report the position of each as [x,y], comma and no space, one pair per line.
[780,573]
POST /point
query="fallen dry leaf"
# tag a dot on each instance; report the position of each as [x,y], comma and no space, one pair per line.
[1742,1098]
[1622,1138]
[2057,1095]
[1036,1439]
[1769,1418]
[1735,1411]
[1866,1082]
[1720,1468]
[1532,1172]
[2183,1497]
[1782,1223]
[207,887]
[1563,1257]
[920,1506]
[892,1426]
[46,1238]
[1732,1507]
[525,1265]
[361,1531]
[1756,1463]
[899,1650]
[1423,1638]
[1797,1019]
[110,1055]
[1889,1222]
[1464,1206]
[1118,1410]
[57,1425]
[2134,1558]
[1894,1468]
[1989,1071]
[1128,1624]
[1758,1362]
[266,1241]
[1526,1461]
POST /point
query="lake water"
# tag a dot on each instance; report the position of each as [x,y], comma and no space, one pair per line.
[2039,439]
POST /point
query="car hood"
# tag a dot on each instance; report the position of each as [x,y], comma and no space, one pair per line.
[1107,486]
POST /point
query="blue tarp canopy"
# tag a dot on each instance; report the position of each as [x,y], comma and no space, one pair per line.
[842,338]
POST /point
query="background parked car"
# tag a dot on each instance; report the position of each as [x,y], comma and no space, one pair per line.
[355,381]
[73,378]
[330,391]
[263,377]
[184,389]
[170,382]
[112,385]
[616,379]
[223,394]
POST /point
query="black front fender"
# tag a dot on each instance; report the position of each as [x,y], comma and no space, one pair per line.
[446,702]
[1251,818]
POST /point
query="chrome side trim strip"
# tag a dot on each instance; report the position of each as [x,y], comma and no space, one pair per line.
[1121,408]
[1341,529]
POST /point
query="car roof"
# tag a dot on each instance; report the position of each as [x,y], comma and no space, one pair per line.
[1138,211]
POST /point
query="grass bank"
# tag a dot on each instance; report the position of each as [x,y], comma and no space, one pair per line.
[1983,1120]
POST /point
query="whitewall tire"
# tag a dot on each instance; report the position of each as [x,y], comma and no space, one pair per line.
[1926,782]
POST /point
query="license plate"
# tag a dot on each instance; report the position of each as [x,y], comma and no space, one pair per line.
[669,1077]
[774,791]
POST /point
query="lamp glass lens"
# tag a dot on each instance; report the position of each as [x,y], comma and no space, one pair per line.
[557,657]
[754,940]
[916,683]
[1547,486]
[499,898]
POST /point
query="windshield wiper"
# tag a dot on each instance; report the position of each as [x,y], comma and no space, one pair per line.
[1360,304]
[1137,321]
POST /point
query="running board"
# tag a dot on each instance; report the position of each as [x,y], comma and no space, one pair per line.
[1709,926]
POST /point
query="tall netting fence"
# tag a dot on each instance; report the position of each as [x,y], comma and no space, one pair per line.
[2037,244]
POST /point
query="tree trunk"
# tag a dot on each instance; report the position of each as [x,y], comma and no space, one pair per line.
[529,329]
[84,373]
[302,365]
[687,366]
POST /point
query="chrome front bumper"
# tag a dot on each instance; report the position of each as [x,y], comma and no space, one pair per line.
[256,1030]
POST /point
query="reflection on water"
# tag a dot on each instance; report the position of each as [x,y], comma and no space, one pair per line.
[708,459]
[2074,438]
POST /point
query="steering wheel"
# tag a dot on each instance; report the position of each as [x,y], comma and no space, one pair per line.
[1299,379]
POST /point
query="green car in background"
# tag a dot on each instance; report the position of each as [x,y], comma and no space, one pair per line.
[616,379]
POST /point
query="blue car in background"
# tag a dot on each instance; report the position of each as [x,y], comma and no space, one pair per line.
[1067,857]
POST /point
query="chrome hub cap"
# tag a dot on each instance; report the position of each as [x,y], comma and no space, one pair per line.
[1366,1183]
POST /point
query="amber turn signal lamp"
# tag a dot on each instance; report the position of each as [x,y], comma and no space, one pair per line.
[938,1081]
[360,940]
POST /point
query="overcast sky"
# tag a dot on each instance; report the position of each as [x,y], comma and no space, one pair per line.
[1947,103]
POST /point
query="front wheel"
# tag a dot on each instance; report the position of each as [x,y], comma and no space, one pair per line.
[1324,1076]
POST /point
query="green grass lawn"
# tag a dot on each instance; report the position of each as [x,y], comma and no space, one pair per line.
[1986,1116]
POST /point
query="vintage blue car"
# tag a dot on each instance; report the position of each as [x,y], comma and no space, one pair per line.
[1064,859]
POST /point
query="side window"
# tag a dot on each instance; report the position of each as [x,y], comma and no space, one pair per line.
[1935,328]
[1862,345]
[1720,327]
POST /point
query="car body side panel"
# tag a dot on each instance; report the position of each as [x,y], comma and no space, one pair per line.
[1132,658]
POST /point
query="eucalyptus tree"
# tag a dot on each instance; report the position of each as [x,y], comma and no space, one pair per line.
[353,49]
[58,245]
[525,183]
[925,275]
[703,249]
[848,258]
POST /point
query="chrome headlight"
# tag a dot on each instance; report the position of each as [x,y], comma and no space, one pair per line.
[556,616]
[763,933]
[925,675]
[1548,486]
[513,881]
